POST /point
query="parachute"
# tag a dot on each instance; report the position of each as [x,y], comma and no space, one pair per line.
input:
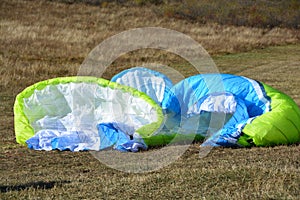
[140,108]
[84,113]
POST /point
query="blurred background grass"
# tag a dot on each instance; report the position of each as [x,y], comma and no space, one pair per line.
[258,13]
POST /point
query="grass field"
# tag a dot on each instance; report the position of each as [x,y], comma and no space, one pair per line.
[45,39]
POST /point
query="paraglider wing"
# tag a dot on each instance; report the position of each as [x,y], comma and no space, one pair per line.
[74,112]
[88,113]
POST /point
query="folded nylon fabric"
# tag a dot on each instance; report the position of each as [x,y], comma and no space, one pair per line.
[88,113]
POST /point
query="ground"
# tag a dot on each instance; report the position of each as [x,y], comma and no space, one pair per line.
[47,39]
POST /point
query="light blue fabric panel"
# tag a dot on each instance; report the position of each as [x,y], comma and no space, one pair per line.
[232,129]
[215,93]
[190,90]
[64,140]
[153,83]
[110,136]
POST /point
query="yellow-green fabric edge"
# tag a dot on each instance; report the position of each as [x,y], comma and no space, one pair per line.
[173,138]
[279,126]
[24,131]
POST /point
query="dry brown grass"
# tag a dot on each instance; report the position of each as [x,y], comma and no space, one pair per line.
[258,13]
[41,40]
[37,37]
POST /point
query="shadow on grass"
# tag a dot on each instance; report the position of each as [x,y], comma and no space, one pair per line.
[35,185]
